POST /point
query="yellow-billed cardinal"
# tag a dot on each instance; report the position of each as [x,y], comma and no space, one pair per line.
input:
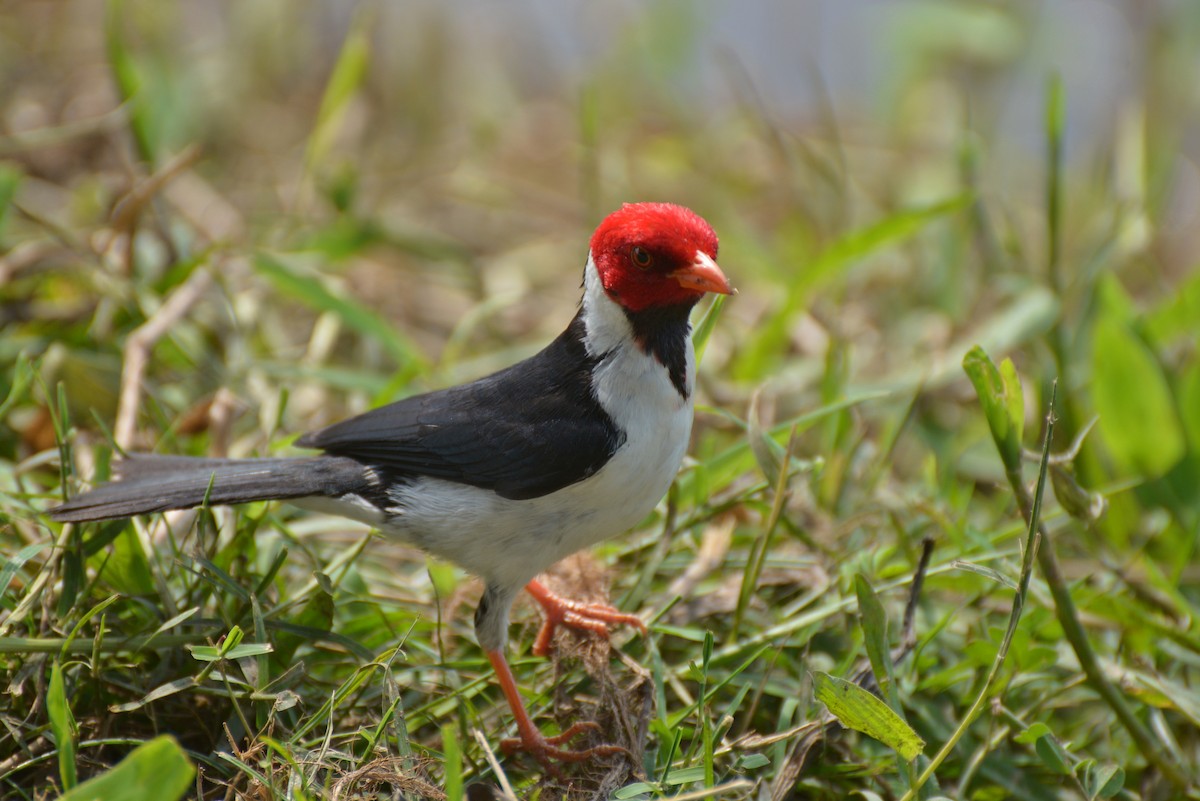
[510,473]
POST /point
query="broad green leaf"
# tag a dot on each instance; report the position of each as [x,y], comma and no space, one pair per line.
[1137,414]
[155,771]
[1189,403]
[126,568]
[1014,398]
[1032,734]
[858,709]
[999,393]
[1178,315]
[684,776]
[1104,780]
[62,725]
[1052,755]
[210,653]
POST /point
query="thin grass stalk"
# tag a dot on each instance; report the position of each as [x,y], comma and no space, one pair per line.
[1032,541]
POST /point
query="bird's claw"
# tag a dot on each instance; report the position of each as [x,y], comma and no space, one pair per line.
[547,752]
[593,617]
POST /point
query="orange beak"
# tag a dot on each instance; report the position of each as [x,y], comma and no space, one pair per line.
[704,275]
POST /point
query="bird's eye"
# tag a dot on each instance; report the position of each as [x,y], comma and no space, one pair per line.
[641,257]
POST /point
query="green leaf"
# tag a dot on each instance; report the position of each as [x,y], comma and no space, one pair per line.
[155,771]
[14,563]
[867,795]
[704,328]
[684,776]
[999,393]
[1078,502]
[1189,404]
[211,653]
[1104,780]
[310,291]
[62,725]
[317,614]
[754,761]
[723,468]
[344,82]
[20,380]
[1052,755]
[1033,734]
[158,693]
[986,572]
[632,792]
[125,567]
[10,179]
[1178,316]
[874,624]
[857,245]
[1014,398]
[148,80]
[852,248]
[858,709]
[1137,413]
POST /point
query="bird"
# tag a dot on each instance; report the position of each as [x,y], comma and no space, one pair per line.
[510,473]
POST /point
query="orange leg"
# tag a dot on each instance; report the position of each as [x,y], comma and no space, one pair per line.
[577,615]
[542,748]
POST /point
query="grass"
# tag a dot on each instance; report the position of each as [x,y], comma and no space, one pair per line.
[255,238]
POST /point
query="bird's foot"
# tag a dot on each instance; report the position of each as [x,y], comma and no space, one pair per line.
[593,617]
[547,750]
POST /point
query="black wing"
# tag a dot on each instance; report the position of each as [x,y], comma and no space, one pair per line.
[523,432]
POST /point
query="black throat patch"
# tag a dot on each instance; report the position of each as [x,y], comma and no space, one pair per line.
[662,332]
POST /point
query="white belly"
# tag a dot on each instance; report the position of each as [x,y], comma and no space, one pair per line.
[509,541]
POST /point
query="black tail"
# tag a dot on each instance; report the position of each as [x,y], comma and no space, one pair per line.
[149,483]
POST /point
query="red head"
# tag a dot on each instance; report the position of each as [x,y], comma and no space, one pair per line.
[657,254]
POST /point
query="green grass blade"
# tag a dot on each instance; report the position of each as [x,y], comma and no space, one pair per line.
[62,725]
[452,752]
[874,624]
[344,82]
[310,291]
[1032,542]
[837,258]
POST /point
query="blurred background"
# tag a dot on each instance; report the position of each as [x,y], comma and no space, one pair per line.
[478,128]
